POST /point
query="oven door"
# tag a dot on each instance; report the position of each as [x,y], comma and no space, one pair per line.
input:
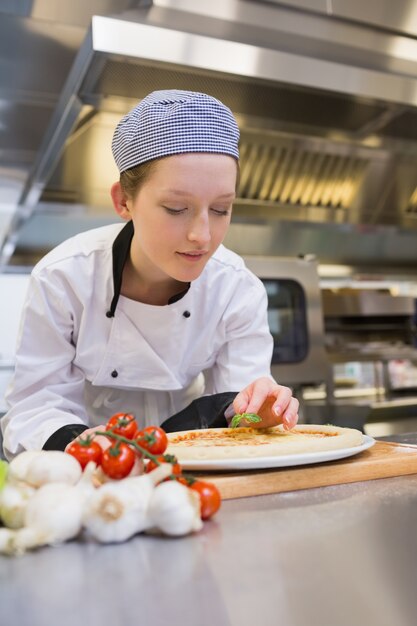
[295,318]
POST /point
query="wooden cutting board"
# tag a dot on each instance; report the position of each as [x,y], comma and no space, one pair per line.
[383,460]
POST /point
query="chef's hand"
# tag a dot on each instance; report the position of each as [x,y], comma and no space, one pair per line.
[103,441]
[272,402]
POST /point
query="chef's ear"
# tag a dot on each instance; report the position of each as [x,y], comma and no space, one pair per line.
[120,201]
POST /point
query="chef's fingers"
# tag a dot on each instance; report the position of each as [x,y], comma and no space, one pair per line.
[252,397]
[283,398]
[230,412]
[241,401]
[290,417]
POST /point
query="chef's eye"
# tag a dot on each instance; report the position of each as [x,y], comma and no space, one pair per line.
[220,211]
[176,211]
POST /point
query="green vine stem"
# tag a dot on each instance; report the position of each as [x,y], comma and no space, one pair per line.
[143,451]
[130,442]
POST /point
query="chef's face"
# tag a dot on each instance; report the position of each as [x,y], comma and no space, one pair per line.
[181,214]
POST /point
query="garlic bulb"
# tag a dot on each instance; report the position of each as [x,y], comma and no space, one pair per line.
[13,501]
[55,510]
[18,466]
[53,514]
[119,509]
[53,466]
[175,509]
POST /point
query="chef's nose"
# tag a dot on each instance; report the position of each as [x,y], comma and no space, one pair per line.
[199,231]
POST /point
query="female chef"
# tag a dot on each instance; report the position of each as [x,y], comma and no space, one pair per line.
[152,316]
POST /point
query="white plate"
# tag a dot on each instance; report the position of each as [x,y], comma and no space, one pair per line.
[262,462]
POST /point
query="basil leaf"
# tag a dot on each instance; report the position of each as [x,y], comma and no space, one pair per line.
[249,417]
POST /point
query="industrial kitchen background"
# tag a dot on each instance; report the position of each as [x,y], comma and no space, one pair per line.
[325,93]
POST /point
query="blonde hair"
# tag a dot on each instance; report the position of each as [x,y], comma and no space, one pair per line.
[133,179]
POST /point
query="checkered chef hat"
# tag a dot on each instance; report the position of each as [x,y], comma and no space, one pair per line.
[174,122]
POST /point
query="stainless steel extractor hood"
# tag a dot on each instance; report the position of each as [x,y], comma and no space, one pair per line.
[327,109]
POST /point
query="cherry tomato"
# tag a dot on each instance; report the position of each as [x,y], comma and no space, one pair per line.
[118,460]
[153,439]
[164,458]
[209,496]
[123,424]
[85,450]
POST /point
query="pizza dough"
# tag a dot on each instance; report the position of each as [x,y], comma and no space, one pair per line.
[229,443]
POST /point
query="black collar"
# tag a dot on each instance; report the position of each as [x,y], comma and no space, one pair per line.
[121,249]
[120,253]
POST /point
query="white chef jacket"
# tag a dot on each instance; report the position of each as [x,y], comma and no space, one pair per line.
[85,352]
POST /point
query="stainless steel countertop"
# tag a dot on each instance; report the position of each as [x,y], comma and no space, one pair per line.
[334,556]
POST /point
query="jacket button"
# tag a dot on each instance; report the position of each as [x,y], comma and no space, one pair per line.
[109,314]
[114,374]
[186,314]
